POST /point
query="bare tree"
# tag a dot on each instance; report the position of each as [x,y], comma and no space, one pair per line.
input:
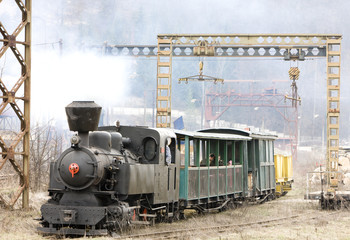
[45,147]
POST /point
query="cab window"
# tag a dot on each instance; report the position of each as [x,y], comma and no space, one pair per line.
[150,148]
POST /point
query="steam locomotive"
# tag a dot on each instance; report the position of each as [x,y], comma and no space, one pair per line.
[115,176]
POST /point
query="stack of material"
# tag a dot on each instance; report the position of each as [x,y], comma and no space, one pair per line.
[344,166]
[346,179]
[343,177]
[316,176]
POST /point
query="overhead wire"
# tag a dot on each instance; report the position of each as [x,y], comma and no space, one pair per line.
[45,43]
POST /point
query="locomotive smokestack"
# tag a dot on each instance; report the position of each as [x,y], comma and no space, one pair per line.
[83,116]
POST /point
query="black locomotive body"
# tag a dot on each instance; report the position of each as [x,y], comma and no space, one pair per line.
[116,176]
[109,178]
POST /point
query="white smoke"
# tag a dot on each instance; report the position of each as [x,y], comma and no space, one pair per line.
[57,81]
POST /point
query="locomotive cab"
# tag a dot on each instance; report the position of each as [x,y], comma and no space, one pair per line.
[159,179]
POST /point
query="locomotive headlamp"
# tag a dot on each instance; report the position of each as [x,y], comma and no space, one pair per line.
[75,140]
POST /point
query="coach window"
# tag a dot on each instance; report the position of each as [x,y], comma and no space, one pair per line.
[191,160]
[181,145]
[197,150]
[268,151]
[238,152]
[229,154]
[182,148]
[251,156]
[257,153]
[266,148]
[214,148]
[263,152]
[271,150]
[203,153]
[222,153]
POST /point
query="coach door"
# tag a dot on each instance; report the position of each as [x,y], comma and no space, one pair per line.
[172,174]
[252,171]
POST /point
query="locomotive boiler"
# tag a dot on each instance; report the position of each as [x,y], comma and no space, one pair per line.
[106,179]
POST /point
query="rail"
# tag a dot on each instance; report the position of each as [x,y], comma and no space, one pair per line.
[220,228]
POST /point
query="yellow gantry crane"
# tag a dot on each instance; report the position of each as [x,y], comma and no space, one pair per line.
[286,46]
[289,46]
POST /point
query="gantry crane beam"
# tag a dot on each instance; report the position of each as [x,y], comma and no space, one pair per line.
[219,51]
[288,46]
[9,148]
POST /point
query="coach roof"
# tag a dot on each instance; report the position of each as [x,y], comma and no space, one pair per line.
[210,135]
[253,134]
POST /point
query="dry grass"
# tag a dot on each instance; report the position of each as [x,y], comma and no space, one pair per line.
[314,223]
[20,224]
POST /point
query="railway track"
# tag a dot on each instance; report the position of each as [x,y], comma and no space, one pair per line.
[221,228]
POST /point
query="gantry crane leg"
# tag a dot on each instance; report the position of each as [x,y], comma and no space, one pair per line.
[329,198]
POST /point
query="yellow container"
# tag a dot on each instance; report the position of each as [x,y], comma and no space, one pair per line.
[287,171]
[283,174]
[279,161]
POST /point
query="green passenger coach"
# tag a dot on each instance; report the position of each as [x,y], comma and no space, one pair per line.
[243,167]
